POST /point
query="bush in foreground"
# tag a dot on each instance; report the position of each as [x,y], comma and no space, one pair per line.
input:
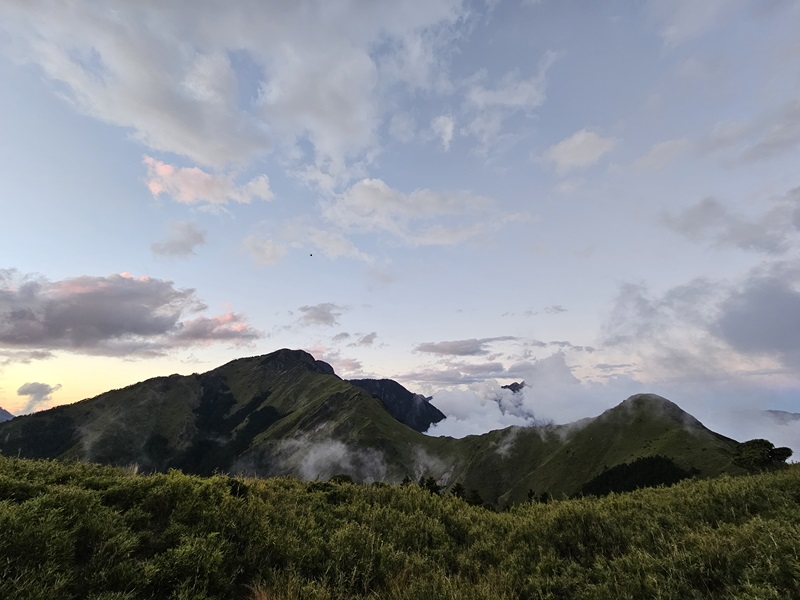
[84,531]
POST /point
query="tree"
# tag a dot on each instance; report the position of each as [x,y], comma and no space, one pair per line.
[474,498]
[429,483]
[761,455]
[458,490]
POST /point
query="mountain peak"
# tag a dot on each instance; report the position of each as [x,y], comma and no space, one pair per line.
[5,415]
[286,359]
[655,405]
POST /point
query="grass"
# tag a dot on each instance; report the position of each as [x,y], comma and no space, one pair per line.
[75,530]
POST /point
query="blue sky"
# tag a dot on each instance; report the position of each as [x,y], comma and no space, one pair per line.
[598,198]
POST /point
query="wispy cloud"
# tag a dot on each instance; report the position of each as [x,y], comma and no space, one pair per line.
[582,149]
[470,347]
[183,239]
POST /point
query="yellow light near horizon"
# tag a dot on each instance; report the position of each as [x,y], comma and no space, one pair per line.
[83,377]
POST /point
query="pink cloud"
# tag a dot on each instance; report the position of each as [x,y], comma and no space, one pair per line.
[192,185]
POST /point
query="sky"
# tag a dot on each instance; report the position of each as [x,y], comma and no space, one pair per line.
[598,198]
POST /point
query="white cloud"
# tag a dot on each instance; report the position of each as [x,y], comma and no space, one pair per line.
[184,238]
[582,149]
[683,20]
[551,394]
[443,127]
[192,185]
[330,243]
[263,251]
[664,153]
[402,127]
[370,205]
[173,72]
[513,91]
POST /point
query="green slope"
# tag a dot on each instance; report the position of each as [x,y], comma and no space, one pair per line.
[73,531]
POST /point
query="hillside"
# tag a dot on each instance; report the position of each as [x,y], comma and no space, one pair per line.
[75,531]
[5,415]
[286,413]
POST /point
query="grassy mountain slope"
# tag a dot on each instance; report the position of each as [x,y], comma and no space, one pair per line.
[75,531]
[287,414]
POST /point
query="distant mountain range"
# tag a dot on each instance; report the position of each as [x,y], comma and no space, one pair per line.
[5,415]
[286,413]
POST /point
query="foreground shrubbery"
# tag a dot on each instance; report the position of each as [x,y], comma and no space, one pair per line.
[84,531]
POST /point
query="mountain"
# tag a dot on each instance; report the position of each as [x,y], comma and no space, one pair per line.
[514,386]
[411,409]
[5,415]
[286,413]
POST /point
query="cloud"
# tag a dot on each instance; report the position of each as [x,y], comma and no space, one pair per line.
[320,459]
[370,205]
[708,330]
[684,20]
[762,317]
[184,238]
[231,327]
[780,137]
[487,107]
[773,232]
[225,85]
[326,313]
[343,366]
[773,133]
[402,127]
[365,340]
[191,185]
[340,337]
[470,347]
[262,251]
[554,309]
[582,149]
[551,394]
[513,91]
[331,244]
[116,315]
[664,153]
[37,393]
[443,127]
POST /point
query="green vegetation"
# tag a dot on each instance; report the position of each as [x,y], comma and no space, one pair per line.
[761,455]
[75,530]
[650,471]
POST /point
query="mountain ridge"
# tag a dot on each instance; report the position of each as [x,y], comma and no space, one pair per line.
[286,413]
